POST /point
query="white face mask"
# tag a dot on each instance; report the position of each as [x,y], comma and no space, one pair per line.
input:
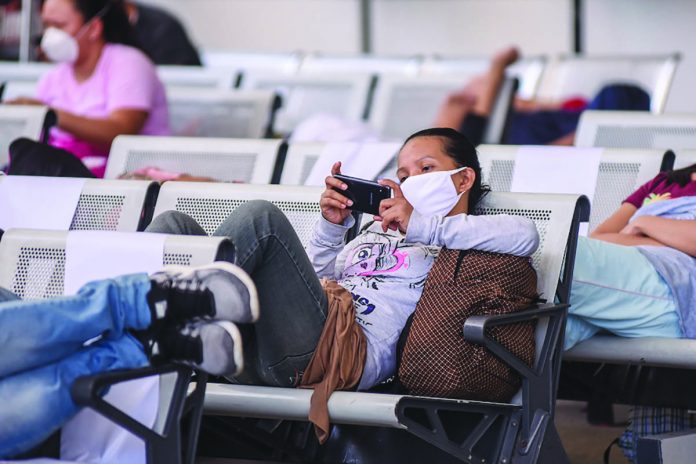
[432,194]
[59,46]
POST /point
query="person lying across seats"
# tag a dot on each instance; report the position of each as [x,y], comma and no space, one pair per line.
[531,122]
[635,276]
[186,315]
[103,85]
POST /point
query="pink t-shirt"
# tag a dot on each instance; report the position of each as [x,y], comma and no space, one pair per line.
[123,79]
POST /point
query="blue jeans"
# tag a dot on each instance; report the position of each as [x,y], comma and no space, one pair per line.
[615,288]
[44,350]
[278,347]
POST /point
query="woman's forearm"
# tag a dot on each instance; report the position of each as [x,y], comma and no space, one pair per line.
[674,233]
[626,239]
[102,131]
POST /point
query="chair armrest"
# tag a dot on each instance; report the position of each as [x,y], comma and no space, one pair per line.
[475,328]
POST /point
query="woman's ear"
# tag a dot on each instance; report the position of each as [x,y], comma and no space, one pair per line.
[96,30]
[464,180]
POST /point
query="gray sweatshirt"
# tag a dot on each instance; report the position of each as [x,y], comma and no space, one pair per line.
[386,272]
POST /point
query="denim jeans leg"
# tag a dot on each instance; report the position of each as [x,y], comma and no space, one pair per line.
[37,402]
[293,303]
[38,332]
[175,222]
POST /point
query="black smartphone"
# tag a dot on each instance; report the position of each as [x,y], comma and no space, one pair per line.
[366,194]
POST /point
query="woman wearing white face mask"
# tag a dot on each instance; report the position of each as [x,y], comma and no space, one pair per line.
[384,271]
[103,85]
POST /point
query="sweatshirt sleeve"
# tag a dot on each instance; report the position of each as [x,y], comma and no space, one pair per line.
[326,243]
[500,233]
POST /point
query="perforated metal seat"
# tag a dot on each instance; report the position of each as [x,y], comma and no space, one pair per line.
[34,260]
[569,75]
[17,121]
[252,61]
[174,77]
[302,156]
[632,129]
[318,63]
[621,172]
[230,160]
[221,113]
[20,88]
[211,204]
[305,95]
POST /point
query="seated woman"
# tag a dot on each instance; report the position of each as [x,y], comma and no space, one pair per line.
[636,277]
[531,122]
[103,85]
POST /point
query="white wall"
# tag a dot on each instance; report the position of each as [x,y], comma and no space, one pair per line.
[270,25]
[478,27]
[648,26]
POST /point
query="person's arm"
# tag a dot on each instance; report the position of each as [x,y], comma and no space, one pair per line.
[499,233]
[325,244]
[674,233]
[611,230]
[103,130]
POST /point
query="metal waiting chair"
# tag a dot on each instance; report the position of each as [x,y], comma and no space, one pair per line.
[411,428]
[621,172]
[221,113]
[571,75]
[633,129]
[685,158]
[305,95]
[173,76]
[116,205]
[16,121]
[230,160]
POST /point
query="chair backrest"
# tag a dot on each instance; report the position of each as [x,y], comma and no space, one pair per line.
[302,156]
[344,95]
[496,128]
[229,160]
[116,205]
[16,89]
[17,121]
[34,260]
[621,172]
[553,215]
[633,129]
[580,75]
[197,112]
[402,105]
[684,158]
[197,77]
[252,61]
[528,70]
[210,204]
[318,62]
[30,72]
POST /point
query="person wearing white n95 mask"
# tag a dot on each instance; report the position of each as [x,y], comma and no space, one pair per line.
[434,193]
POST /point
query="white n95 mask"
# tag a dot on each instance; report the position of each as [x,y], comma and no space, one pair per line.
[59,46]
[432,194]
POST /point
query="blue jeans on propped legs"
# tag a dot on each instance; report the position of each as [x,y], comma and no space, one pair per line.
[43,352]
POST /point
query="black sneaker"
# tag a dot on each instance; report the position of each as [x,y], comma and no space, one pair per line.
[211,346]
[218,290]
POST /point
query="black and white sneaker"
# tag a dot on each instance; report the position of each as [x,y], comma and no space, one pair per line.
[219,290]
[211,346]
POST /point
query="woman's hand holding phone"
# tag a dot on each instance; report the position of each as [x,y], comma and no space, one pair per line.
[335,207]
[394,212]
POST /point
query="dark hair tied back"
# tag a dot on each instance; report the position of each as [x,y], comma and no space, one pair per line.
[681,176]
[460,149]
[117,27]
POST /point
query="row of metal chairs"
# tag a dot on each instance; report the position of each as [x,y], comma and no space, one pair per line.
[394,106]
[34,264]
